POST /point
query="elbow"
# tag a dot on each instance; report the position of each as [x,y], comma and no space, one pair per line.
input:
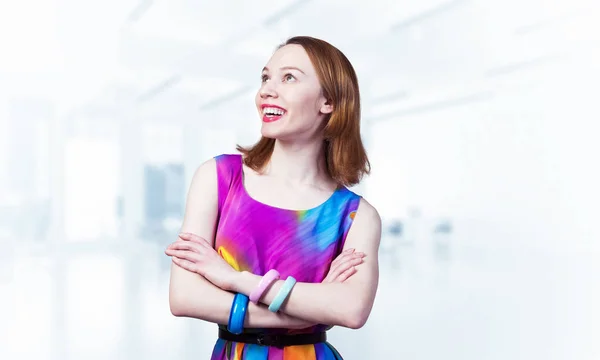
[354,314]
[181,306]
[177,306]
[356,321]
[177,311]
[356,318]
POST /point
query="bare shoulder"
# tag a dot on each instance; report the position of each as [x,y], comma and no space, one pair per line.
[367,213]
[204,184]
[366,228]
[202,201]
[206,173]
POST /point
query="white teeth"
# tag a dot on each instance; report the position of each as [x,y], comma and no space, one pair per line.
[272,111]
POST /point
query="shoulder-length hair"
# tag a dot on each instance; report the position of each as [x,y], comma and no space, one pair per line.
[345,154]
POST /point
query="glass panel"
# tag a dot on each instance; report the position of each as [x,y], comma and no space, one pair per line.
[91,185]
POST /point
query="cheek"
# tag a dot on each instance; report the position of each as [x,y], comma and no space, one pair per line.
[305,102]
[257,99]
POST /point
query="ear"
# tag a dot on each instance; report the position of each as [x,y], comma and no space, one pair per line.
[327,107]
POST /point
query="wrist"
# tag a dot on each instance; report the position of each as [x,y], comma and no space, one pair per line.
[240,283]
[231,283]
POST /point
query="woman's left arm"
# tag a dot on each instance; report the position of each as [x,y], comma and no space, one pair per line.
[345,304]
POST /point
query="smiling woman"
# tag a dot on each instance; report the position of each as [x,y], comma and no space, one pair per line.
[273,242]
[311,76]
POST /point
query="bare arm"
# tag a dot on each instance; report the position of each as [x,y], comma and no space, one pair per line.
[190,294]
[346,304]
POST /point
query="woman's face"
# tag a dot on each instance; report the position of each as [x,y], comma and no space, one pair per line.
[290,101]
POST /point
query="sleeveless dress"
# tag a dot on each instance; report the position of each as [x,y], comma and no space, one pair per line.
[256,237]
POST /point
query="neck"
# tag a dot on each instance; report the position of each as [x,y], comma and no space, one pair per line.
[299,162]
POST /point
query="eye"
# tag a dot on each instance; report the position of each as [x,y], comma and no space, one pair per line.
[264,78]
[289,77]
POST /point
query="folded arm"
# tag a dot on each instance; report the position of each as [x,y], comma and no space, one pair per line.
[346,304]
[190,294]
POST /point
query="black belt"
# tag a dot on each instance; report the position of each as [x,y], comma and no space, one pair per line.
[276,340]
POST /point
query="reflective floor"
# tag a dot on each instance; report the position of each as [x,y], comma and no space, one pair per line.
[438,299]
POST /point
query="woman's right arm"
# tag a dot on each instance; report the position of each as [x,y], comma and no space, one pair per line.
[191,295]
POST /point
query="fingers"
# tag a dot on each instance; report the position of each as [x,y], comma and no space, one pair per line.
[184,255]
[341,256]
[344,266]
[193,237]
[346,256]
[346,274]
[186,245]
[185,264]
[189,241]
[347,264]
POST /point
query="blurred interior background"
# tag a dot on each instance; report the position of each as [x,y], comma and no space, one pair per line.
[479,117]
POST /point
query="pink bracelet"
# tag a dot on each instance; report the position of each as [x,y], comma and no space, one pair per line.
[268,278]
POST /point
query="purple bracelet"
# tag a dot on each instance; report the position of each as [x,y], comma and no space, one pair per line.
[267,279]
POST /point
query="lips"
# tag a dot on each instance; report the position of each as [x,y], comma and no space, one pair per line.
[272,112]
[271,118]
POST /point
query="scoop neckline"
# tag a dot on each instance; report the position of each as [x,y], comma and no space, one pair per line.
[247,194]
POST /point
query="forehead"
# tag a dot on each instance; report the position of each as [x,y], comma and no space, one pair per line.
[291,55]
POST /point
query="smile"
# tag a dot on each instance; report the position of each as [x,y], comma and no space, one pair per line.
[272,112]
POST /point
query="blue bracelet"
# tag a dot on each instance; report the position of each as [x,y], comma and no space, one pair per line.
[237,315]
[283,293]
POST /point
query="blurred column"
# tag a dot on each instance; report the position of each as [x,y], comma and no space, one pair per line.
[56,235]
[132,333]
[56,150]
[131,211]
[27,143]
[24,115]
[131,206]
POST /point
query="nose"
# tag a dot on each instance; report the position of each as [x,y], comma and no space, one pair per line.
[268,90]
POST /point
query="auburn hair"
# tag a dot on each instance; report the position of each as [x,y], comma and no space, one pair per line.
[345,154]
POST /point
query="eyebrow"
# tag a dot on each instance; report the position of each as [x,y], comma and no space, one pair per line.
[285,68]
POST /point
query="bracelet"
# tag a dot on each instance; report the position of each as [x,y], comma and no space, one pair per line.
[237,315]
[283,293]
[267,279]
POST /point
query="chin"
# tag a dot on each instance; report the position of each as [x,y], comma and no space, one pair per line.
[269,133]
[271,130]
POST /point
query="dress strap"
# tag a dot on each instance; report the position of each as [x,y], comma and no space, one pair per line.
[352,202]
[229,173]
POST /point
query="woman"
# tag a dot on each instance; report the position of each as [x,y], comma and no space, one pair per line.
[278,225]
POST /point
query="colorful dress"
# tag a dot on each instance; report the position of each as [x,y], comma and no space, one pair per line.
[256,237]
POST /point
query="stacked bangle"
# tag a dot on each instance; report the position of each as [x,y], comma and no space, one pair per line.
[237,315]
[267,279]
[283,293]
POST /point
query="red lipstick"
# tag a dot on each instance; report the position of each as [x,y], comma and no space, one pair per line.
[271,112]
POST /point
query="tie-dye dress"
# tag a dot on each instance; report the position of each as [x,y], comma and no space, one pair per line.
[257,237]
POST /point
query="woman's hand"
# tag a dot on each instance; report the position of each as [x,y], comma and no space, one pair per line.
[344,266]
[194,254]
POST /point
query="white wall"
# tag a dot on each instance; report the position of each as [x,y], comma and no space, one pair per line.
[520,165]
